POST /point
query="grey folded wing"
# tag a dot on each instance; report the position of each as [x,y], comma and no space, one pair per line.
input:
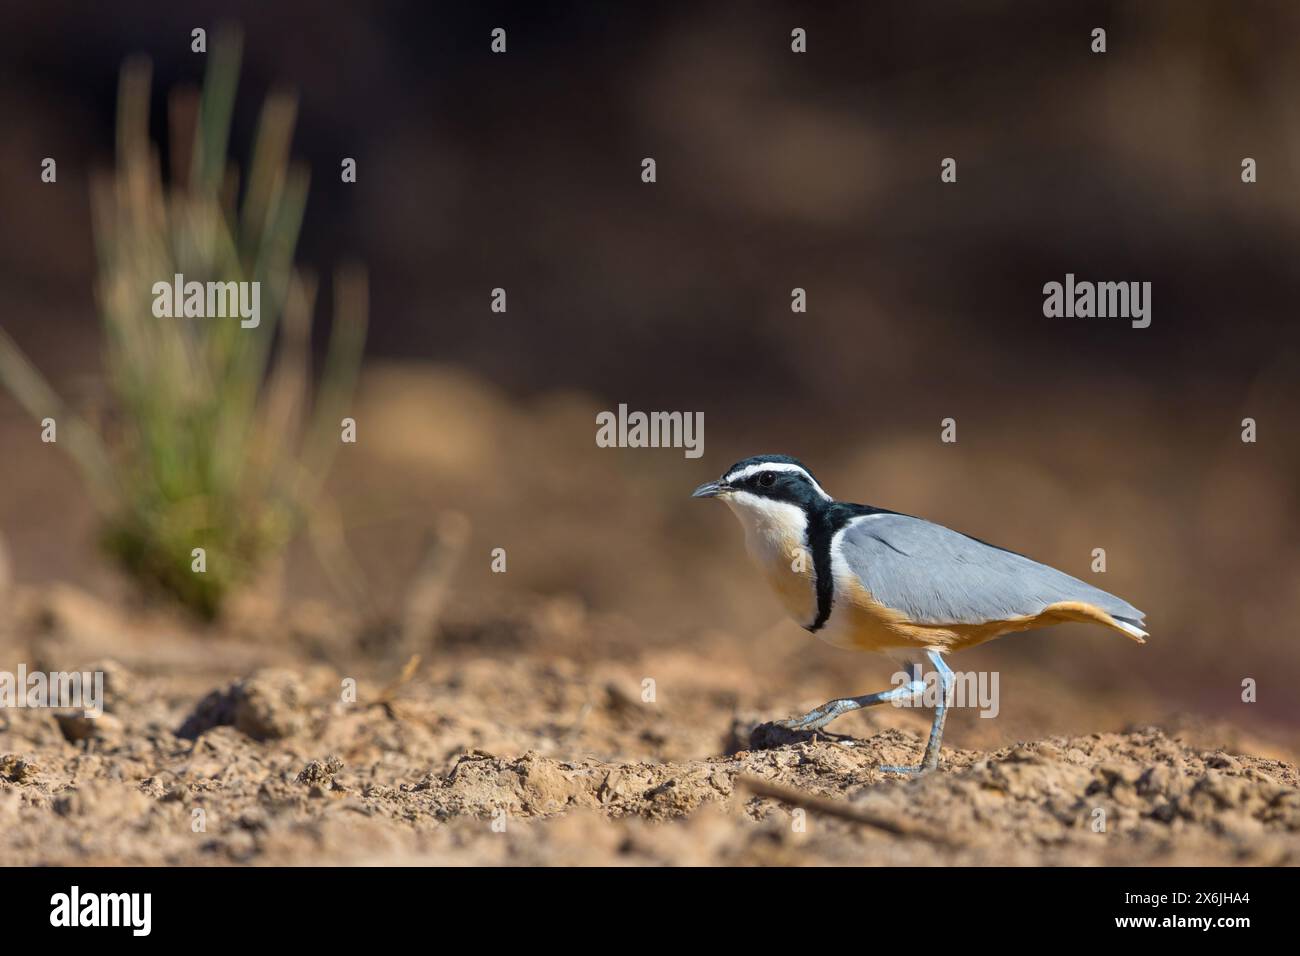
[936,575]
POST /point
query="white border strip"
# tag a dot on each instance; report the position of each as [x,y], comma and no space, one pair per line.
[754,469]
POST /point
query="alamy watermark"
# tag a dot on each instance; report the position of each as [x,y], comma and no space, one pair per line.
[75,908]
[624,429]
[64,690]
[210,300]
[1084,300]
[974,689]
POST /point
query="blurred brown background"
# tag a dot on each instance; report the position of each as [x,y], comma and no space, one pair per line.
[775,170]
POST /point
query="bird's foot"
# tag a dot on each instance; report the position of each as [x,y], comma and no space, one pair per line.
[807,722]
[915,769]
[928,764]
[819,718]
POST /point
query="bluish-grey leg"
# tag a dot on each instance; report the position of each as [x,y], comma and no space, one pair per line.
[931,759]
[823,715]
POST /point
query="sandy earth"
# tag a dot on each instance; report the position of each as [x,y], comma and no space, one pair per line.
[520,759]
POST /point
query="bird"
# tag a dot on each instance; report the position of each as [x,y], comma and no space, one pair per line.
[871,579]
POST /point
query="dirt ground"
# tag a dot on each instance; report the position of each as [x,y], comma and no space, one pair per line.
[520,758]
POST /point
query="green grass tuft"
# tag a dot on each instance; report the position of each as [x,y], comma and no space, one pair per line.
[222,446]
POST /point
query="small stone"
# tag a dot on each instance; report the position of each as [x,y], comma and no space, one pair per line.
[16,769]
[1157,779]
[320,771]
[77,727]
[1222,761]
[1116,773]
[1048,752]
[119,685]
[269,705]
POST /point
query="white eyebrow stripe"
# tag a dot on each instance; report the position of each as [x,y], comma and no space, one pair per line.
[743,473]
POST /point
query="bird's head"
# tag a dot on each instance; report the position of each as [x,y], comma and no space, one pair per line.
[764,482]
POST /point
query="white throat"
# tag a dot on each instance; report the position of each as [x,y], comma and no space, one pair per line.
[775,538]
[765,520]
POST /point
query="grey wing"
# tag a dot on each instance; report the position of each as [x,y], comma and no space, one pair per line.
[939,576]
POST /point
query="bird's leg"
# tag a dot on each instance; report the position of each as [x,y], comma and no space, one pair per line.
[823,715]
[931,759]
